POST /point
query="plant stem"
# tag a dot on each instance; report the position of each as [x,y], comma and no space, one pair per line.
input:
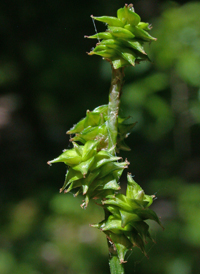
[113,106]
[115,266]
[113,110]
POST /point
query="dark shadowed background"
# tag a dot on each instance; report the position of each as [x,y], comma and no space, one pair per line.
[47,82]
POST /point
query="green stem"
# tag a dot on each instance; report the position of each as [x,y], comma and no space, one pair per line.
[113,110]
[113,106]
[115,266]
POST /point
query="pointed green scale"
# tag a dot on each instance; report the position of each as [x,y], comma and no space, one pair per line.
[119,203]
[106,53]
[69,157]
[119,62]
[111,21]
[114,226]
[112,184]
[99,47]
[102,109]
[84,167]
[127,217]
[92,119]
[134,44]
[129,55]
[86,182]
[144,26]
[136,239]
[128,16]
[132,187]
[140,33]
[78,127]
[124,129]
[101,35]
[120,32]
[122,145]
[149,199]
[90,133]
[110,167]
[100,161]
[146,214]
[71,176]
[143,229]
[78,148]
[101,194]
[114,211]
[89,150]
[73,185]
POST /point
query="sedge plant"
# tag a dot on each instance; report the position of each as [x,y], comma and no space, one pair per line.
[93,165]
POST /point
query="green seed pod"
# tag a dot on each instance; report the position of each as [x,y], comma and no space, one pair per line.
[102,109]
[114,226]
[119,62]
[128,218]
[112,184]
[149,199]
[78,148]
[136,240]
[78,127]
[93,119]
[111,21]
[145,26]
[101,184]
[106,53]
[146,214]
[121,203]
[73,185]
[110,167]
[84,167]
[140,33]
[69,157]
[128,16]
[134,44]
[143,229]
[86,182]
[71,176]
[100,35]
[114,211]
[102,158]
[132,187]
[91,133]
[124,130]
[89,150]
[121,32]
[99,47]
[129,55]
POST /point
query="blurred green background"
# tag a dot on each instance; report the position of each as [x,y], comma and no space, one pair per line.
[47,82]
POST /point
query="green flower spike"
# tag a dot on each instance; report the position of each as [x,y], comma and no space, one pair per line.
[125,226]
[122,43]
[93,167]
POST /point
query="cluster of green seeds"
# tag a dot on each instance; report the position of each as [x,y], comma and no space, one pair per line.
[92,169]
[125,227]
[122,42]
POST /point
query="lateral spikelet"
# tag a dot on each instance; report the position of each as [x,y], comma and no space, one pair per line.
[126,227]
[122,42]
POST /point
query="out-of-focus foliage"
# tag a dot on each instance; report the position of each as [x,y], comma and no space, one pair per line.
[47,82]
